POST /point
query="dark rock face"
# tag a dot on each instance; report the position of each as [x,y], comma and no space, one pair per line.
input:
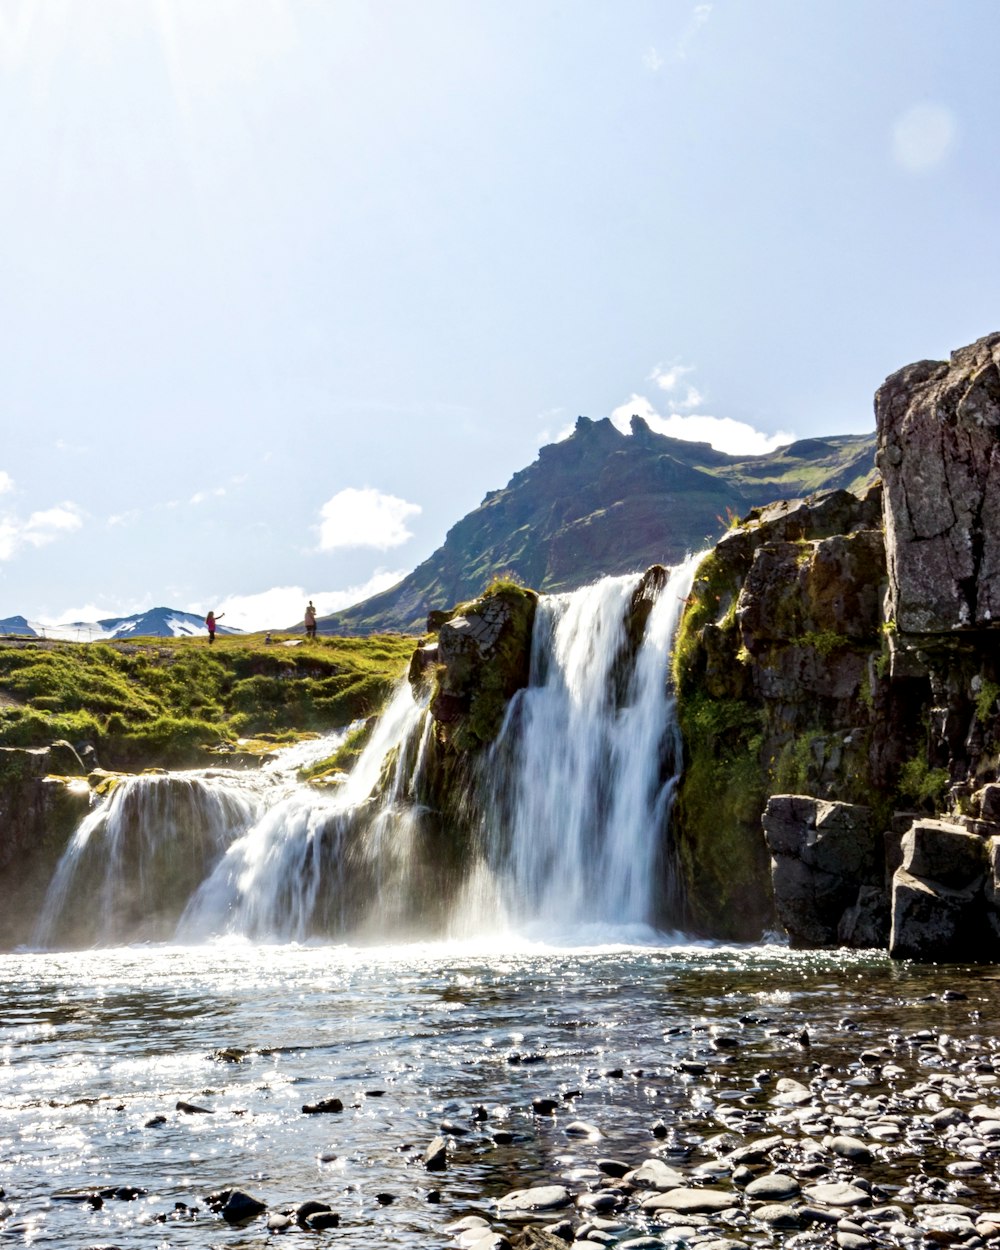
[939,455]
[846,650]
[480,660]
[821,852]
[39,809]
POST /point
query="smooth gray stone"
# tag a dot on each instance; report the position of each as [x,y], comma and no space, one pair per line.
[692,1200]
[778,1215]
[849,1148]
[775,1187]
[538,1198]
[838,1194]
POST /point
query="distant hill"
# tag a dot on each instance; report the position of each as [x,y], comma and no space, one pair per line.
[156,623]
[605,502]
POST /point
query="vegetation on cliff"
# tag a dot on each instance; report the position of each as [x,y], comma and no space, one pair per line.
[163,701]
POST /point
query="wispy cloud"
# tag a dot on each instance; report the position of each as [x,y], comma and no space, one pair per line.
[669,380]
[923,136]
[365,518]
[556,428]
[6,482]
[698,18]
[123,518]
[282,606]
[652,60]
[41,528]
[202,496]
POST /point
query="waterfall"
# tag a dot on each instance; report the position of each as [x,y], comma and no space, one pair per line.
[568,812]
[582,778]
[315,863]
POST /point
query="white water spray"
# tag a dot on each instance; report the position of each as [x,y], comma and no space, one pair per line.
[588,761]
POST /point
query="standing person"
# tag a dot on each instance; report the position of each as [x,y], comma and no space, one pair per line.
[210,621]
[310,620]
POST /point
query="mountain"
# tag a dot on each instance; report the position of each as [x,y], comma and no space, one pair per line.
[156,623]
[605,502]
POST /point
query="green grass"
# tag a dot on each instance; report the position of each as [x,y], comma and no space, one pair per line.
[164,700]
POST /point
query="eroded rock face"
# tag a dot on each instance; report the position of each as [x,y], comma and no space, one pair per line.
[938,430]
[38,813]
[480,659]
[821,853]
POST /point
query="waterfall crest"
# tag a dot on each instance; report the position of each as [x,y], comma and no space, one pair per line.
[568,812]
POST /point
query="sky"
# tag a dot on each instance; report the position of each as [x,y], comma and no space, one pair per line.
[286,286]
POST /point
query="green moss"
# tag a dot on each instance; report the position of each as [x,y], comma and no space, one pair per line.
[824,641]
[721,797]
[986,700]
[919,783]
[714,592]
[345,756]
[490,684]
[164,699]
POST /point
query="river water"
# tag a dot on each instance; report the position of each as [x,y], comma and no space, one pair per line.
[98,1048]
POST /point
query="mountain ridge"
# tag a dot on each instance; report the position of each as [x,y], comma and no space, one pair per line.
[605,502]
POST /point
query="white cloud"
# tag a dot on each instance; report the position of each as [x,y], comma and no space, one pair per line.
[41,528]
[200,496]
[669,379]
[123,518]
[365,518]
[737,438]
[555,430]
[6,482]
[91,612]
[283,606]
[46,526]
[923,136]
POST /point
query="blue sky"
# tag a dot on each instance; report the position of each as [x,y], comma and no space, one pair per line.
[287,286]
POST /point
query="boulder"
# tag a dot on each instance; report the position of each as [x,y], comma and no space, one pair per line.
[936,850]
[820,853]
[933,923]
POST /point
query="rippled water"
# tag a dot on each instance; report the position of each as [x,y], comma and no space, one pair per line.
[94,1046]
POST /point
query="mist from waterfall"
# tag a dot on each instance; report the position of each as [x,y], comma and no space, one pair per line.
[568,813]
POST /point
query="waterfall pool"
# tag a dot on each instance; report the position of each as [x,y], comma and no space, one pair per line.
[98,1049]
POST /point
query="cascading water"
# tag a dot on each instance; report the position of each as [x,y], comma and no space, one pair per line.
[581,780]
[571,809]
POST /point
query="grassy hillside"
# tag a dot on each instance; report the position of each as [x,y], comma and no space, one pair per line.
[162,701]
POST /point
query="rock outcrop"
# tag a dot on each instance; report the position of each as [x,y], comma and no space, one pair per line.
[42,799]
[822,852]
[938,429]
[844,650]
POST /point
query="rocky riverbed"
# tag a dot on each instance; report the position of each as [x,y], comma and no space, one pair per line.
[529,1096]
